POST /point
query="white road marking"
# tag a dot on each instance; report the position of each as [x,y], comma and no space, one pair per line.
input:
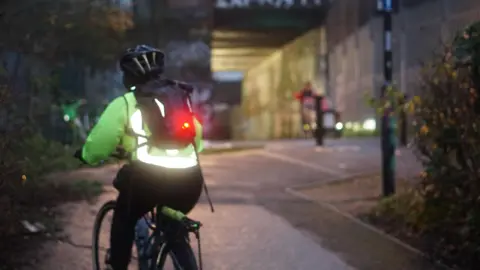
[342,166]
[346,148]
[302,163]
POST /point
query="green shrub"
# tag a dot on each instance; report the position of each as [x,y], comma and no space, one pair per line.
[400,212]
[447,141]
[25,194]
[445,211]
[46,156]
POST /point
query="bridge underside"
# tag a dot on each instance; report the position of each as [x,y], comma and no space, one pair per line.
[242,38]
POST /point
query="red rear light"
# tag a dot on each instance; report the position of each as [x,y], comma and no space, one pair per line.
[184,127]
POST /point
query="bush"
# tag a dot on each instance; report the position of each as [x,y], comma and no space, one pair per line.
[445,211]
[447,142]
[46,156]
[400,212]
[25,152]
[26,158]
[43,36]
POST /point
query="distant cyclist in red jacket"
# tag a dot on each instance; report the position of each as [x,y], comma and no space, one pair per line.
[306,91]
[306,97]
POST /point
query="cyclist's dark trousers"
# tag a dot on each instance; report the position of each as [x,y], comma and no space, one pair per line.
[129,209]
[136,198]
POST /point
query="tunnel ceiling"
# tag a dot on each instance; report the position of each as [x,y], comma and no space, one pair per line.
[242,38]
[239,50]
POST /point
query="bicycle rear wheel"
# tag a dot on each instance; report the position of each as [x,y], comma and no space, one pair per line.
[177,256]
[101,236]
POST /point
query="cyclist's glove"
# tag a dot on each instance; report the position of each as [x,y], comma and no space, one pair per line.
[78,155]
[191,224]
[120,153]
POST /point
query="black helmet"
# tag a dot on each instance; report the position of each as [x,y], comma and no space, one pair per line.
[142,62]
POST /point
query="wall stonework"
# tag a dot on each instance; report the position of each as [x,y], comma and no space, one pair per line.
[355,52]
[268,107]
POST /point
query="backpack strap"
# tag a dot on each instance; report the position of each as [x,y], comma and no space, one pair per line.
[129,130]
[128,112]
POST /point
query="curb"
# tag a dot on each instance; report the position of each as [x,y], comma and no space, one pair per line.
[336,174]
[334,180]
[358,221]
[235,152]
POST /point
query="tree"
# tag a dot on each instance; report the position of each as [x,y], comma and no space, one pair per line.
[56,36]
[58,31]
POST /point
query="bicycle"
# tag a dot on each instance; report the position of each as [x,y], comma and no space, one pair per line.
[169,237]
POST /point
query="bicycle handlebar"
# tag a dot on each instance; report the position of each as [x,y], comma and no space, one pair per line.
[190,224]
[172,213]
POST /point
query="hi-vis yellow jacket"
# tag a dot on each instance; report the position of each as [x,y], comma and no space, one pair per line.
[112,131]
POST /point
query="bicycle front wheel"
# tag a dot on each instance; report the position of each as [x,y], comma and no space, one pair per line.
[100,240]
[101,237]
[177,256]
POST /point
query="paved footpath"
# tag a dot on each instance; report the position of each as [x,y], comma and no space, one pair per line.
[257,225]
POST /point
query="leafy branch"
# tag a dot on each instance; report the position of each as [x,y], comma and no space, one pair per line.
[58,31]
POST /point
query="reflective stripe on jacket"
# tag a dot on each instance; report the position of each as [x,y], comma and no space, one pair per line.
[111,131]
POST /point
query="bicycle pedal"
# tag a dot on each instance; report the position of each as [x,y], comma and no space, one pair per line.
[107,258]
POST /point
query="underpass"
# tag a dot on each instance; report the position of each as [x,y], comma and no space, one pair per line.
[246,37]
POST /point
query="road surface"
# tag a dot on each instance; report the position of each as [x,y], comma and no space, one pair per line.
[257,225]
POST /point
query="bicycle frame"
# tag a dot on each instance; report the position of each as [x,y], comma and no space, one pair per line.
[149,244]
[142,238]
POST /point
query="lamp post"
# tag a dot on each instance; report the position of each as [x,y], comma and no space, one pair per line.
[388,138]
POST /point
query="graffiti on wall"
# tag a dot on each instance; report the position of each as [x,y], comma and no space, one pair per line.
[228,4]
[181,53]
[190,61]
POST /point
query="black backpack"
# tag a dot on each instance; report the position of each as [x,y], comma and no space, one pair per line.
[167,112]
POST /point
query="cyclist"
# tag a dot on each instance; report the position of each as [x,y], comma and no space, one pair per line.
[307,103]
[159,172]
